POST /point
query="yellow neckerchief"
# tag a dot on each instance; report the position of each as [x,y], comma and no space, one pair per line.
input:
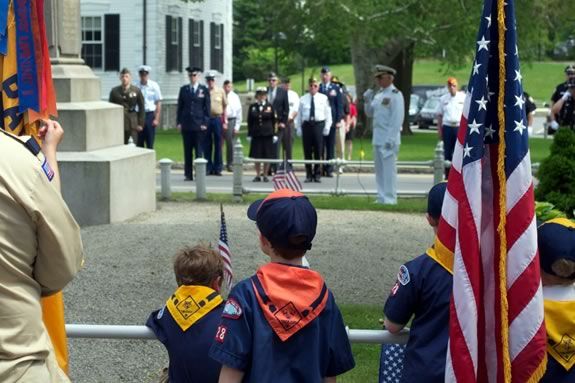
[559,306]
[441,254]
[190,303]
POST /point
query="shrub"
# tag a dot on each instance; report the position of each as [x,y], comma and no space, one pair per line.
[557,173]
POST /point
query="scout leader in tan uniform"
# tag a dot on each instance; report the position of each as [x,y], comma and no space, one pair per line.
[40,252]
[131,98]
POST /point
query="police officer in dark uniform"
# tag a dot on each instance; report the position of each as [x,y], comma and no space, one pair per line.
[564,108]
[262,122]
[193,116]
[560,91]
[131,99]
[335,96]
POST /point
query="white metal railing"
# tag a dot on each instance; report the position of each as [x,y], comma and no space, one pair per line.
[95,331]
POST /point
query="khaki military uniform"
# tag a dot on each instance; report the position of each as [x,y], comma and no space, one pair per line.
[40,252]
[134,109]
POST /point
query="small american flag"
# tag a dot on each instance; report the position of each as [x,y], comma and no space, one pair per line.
[225,251]
[286,180]
[496,328]
[391,363]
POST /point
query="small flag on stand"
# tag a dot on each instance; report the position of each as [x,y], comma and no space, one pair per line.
[391,363]
[224,250]
[286,179]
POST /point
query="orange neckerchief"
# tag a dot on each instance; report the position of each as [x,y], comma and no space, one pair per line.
[289,296]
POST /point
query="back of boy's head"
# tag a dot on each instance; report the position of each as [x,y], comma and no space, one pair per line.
[435,200]
[198,265]
[556,241]
[288,220]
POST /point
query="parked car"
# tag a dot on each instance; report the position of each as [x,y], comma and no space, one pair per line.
[428,114]
[415,105]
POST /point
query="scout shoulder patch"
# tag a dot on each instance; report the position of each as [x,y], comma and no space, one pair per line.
[232,310]
[394,289]
[403,275]
[47,170]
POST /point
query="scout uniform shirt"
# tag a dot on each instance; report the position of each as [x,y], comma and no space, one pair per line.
[423,289]
[186,326]
[559,303]
[132,101]
[282,325]
[40,252]
[387,110]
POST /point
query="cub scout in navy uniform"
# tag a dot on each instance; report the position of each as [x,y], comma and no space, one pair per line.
[423,291]
[556,240]
[187,323]
[282,325]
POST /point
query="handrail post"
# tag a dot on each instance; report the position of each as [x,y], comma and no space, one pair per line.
[438,164]
[165,175]
[238,166]
[201,164]
[338,164]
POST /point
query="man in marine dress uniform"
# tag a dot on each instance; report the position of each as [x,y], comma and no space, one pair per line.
[193,116]
[132,100]
[386,107]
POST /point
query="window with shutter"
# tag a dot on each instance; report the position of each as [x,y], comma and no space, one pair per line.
[213,55]
[196,46]
[112,42]
[92,41]
[173,44]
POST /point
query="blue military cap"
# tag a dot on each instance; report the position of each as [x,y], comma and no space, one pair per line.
[556,240]
[325,69]
[435,199]
[193,69]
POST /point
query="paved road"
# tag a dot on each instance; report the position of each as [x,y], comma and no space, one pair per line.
[352,183]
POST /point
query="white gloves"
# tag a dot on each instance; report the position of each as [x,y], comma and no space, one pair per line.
[249,139]
[566,96]
[298,132]
[326,131]
[554,125]
[275,139]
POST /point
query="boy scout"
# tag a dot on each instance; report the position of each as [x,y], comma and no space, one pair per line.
[556,241]
[40,252]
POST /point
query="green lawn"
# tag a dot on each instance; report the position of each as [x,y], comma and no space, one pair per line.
[417,147]
[366,355]
[539,78]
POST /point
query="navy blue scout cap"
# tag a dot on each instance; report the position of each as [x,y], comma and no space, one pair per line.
[435,199]
[556,240]
[284,218]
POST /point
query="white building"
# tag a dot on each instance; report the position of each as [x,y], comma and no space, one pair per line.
[167,35]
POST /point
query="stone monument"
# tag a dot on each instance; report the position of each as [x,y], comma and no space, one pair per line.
[103,180]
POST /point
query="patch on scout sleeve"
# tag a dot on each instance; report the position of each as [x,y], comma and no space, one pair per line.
[161,313]
[232,309]
[221,334]
[47,170]
[394,289]
[403,275]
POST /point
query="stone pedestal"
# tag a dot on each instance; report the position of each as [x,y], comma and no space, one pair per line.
[103,180]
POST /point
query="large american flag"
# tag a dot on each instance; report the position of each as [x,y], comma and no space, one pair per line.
[224,250]
[488,223]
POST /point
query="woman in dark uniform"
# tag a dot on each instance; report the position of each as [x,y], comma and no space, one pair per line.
[261,131]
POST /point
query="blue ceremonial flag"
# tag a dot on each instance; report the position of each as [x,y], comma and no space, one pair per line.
[391,363]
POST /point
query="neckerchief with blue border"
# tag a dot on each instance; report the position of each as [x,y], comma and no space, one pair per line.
[559,306]
[189,304]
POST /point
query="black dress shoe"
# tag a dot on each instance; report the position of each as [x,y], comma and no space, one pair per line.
[308,180]
[329,175]
[189,179]
[257,179]
[316,179]
[218,174]
[265,179]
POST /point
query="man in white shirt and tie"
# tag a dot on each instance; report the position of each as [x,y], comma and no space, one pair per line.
[153,105]
[231,129]
[313,122]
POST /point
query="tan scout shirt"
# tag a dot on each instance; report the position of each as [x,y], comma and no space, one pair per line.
[218,101]
[40,252]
